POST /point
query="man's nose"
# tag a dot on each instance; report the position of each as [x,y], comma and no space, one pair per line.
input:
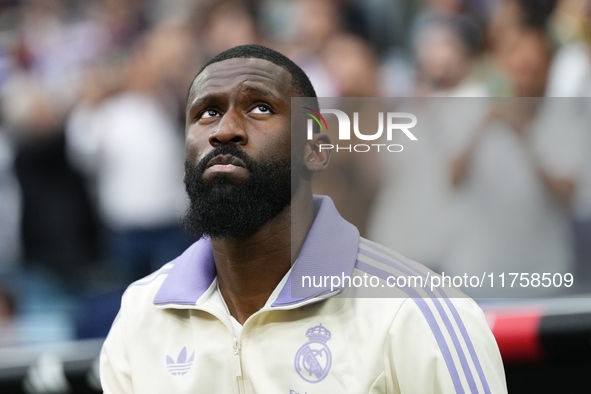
[230,130]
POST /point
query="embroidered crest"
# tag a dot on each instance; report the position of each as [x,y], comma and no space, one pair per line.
[313,359]
[182,365]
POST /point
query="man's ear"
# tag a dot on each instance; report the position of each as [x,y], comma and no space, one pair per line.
[317,153]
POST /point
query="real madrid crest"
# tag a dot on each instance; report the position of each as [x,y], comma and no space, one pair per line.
[313,359]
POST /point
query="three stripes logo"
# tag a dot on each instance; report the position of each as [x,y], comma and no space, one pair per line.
[182,365]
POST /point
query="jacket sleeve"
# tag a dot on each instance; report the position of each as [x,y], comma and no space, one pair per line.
[442,346]
[115,369]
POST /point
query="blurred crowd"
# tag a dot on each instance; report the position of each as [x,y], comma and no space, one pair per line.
[92,97]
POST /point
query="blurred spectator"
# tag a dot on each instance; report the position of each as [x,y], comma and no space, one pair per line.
[58,227]
[446,47]
[58,230]
[318,21]
[570,76]
[527,62]
[353,179]
[226,24]
[54,50]
[515,183]
[509,14]
[570,21]
[515,26]
[133,148]
[352,65]
[413,209]
[381,22]
[121,22]
[411,213]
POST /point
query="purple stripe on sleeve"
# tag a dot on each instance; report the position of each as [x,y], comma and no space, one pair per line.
[469,344]
[398,265]
[457,345]
[421,303]
[392,256]
[442,313]
[408,270]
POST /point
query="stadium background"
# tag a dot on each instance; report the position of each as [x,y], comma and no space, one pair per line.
[91,131]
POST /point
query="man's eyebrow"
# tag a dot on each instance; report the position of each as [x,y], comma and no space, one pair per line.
[262,91]
[198,101]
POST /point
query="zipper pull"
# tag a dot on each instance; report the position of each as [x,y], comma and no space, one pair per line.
[237,347]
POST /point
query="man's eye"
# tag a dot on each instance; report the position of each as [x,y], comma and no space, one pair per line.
[262,109]
[210,113]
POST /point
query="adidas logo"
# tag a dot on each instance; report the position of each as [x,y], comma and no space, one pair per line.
[182,365]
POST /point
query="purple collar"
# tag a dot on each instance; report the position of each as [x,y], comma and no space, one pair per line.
[330,249]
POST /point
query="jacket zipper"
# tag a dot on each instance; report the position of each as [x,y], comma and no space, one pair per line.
[238,367]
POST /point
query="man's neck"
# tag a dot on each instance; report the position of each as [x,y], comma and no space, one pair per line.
[250,268]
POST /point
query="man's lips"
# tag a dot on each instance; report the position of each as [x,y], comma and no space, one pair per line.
[225,163]
[226,160]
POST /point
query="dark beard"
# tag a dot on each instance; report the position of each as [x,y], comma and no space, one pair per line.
[228,208]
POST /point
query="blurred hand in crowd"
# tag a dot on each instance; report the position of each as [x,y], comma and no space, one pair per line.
[101,81]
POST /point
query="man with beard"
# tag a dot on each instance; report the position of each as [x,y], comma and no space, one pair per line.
[229,315]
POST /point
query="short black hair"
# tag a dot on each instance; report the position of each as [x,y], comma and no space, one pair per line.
[299,79]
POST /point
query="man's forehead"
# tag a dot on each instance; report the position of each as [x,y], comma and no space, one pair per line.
[233,72]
